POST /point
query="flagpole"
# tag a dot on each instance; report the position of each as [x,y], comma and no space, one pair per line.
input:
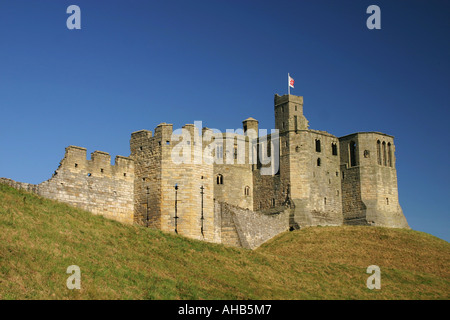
[289,87]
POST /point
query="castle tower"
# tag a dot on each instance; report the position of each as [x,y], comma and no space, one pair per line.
[369,180]
[172,196]
[306,181]
[250,124]
[289,114]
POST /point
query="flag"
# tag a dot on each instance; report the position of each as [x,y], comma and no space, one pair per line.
[291,81]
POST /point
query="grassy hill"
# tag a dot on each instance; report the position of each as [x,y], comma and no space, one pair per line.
[40,238]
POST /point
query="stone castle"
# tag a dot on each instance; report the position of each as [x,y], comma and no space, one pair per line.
[320,180]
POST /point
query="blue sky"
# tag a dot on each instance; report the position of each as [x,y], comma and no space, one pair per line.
[135,64]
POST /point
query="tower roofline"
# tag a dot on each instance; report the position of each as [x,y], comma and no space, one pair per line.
[287,98]
[366,132]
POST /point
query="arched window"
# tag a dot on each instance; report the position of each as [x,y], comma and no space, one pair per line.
[379,152]
[247,190]
[352,153]
[389,155]
[317,145]
[384,153]
[219,179]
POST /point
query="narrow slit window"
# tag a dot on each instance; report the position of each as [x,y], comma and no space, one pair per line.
[379,152]
[317,145]
[389,155]
[352,153]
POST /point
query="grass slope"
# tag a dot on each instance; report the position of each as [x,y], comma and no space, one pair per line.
[40,238]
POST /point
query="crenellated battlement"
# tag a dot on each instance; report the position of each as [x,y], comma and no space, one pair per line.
[99,165]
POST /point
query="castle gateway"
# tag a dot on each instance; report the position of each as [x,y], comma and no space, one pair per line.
[319,179]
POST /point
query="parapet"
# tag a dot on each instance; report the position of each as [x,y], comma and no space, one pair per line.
[76,152]
[164,130]
[142,133]
[122,161]
[101,158]
[75,161]
[287,98]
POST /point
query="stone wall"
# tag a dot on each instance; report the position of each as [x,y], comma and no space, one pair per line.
[314,176]
[233,178]
[146,153]
[93,185]
[33,188]
[249,229]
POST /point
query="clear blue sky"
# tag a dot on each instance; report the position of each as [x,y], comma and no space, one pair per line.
[135,64]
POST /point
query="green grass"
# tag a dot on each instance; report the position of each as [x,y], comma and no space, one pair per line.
[40,238]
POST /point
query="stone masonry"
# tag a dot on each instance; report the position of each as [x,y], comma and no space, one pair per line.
[220,193]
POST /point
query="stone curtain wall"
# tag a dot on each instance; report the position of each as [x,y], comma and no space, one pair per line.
[93,185]
[249,229]
[33,188]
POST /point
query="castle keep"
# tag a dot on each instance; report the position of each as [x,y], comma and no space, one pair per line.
[226,197]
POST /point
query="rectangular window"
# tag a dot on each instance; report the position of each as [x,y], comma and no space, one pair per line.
[317,145]
[334,149]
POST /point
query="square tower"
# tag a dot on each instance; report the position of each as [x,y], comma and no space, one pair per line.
[289,113]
